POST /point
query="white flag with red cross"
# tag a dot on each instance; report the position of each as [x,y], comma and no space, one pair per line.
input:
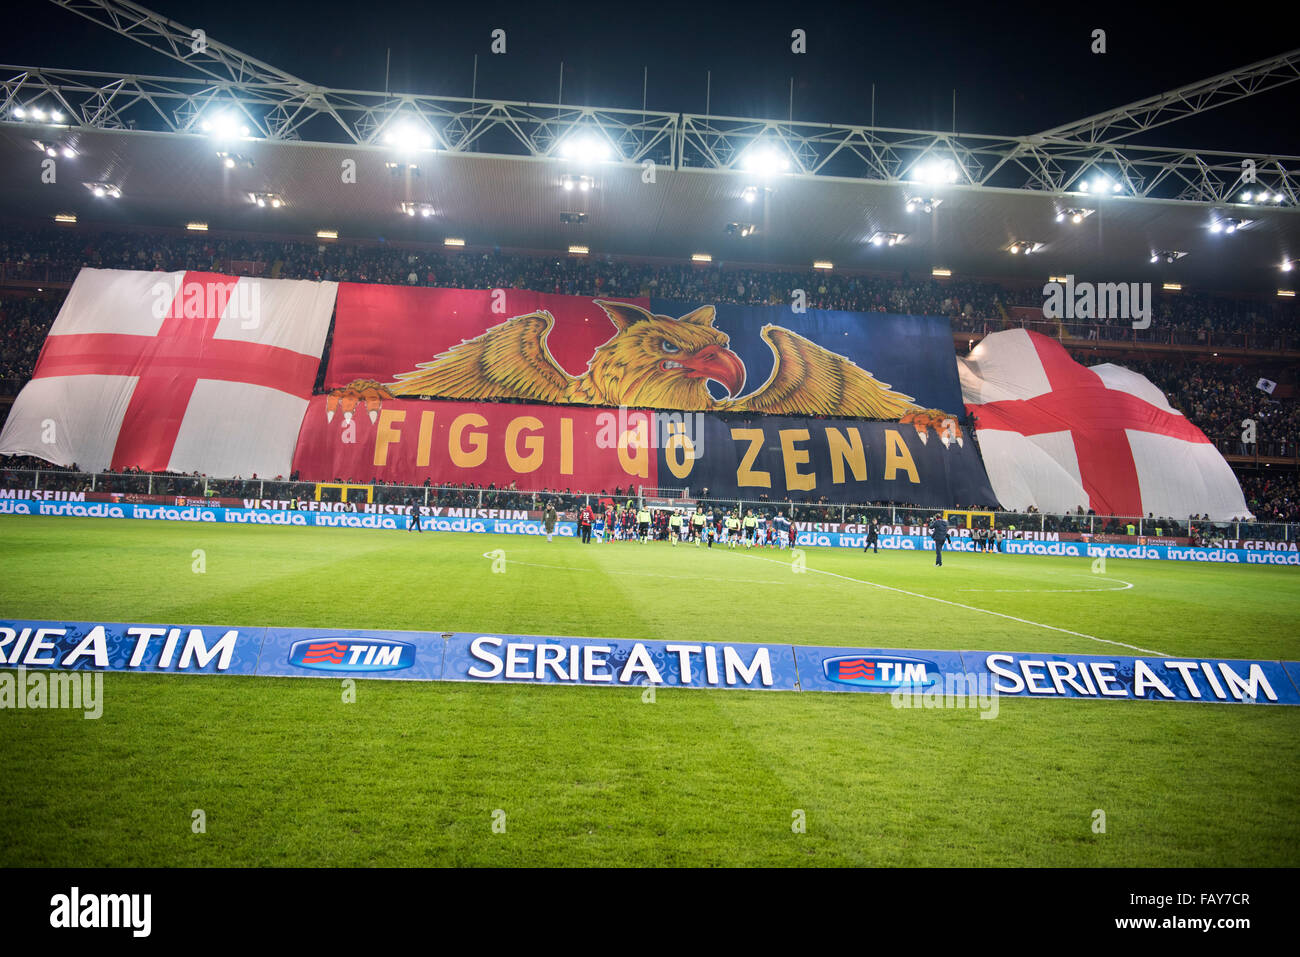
[182,372]
[1057,435]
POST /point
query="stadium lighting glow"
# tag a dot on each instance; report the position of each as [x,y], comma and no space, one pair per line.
[51,151]
[1289,293]
[941,273]
[224,126]
[38,113]
[701,258]
[823,264]
[99,190]
[765,160]
[69,152]
[578,250]
[57,116]
[877,240]
[410,209]
[65,218]
[327,234]
[1288,265]
[453,242]
[406,137]
[926,203]
[1074,214]
[1172,287]
[935,171]
[585,147]
[197,227]
[20,112]
[749,194]
[1229,225]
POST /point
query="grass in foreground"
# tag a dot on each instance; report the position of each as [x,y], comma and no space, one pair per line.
[411,773]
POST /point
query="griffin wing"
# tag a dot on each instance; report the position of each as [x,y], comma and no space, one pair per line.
[809,380]
[509,361]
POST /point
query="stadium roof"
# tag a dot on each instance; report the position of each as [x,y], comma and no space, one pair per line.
[170,179]
[1091,197]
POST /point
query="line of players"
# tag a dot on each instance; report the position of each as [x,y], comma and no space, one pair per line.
[703,527]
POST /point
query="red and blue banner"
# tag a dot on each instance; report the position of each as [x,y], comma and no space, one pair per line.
[393,342]
[564,447]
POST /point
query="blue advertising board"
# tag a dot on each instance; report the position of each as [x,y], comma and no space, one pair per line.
[632,663]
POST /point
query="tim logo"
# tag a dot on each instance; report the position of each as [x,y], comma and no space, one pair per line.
[351,654]
[880,672]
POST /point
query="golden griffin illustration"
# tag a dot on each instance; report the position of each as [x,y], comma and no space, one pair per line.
[655,362]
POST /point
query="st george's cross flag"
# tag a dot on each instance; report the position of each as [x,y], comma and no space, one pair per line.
[182,372]
[1057,435]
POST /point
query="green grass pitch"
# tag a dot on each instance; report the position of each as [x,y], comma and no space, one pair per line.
[412,773]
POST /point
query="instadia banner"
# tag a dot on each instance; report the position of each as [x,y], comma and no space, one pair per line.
[556,447]
[393,341]
[620,662]
[439,519]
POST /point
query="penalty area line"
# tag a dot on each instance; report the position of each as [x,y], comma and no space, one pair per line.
[957,604]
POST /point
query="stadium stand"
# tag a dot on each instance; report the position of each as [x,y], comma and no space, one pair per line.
[1215,395]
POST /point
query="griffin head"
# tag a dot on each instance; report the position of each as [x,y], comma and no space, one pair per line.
[662,362]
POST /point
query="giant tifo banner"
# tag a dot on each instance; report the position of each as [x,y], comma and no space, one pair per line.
[741,381]
[628,663]
[395,341]
[182,372]
[1057,435]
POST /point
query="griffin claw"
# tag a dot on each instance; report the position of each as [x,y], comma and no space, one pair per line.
[366,392]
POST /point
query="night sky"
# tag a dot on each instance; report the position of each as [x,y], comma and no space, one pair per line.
[1016,70]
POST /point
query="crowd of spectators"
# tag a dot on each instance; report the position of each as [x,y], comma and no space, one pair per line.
[24,323]
[59,253]
[1273,497]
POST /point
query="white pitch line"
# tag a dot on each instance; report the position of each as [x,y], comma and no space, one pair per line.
[1124,586]
[957,604]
